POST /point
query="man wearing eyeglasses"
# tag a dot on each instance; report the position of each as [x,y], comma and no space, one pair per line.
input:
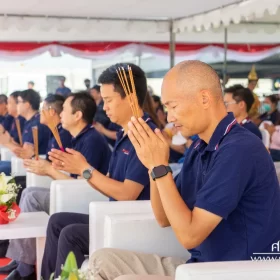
[239,101]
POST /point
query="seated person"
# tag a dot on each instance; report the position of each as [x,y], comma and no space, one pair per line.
[9,123]
[274,147]
[100,116]
[3,107]
[227,189]
[76,117]
[127,178]
[239,102]
[271,112]
[28,106]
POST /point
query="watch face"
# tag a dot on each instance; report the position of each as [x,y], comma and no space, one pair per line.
[160,171]
[87,174]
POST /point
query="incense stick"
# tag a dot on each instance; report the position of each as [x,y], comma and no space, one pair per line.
[128,85]
[19,131]
[53,127]
[36,142]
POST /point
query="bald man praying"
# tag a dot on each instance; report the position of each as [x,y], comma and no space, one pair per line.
[225,203]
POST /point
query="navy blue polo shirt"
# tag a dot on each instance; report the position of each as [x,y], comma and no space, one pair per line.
[113,127]
[251,127]
[7,122]
[65,137]
[43,133]
[13,130]
[125,165]
[233,177]
[94,147]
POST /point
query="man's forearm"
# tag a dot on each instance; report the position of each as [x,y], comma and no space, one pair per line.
[177,212]
[109,187]
[58,175]
[157,205]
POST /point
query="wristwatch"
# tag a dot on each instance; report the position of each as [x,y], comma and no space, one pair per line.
[87,173]
[160,171]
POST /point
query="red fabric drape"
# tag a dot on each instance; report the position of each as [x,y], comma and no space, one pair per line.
[21,47]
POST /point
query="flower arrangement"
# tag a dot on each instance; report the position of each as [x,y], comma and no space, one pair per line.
[9,209]
[70,271]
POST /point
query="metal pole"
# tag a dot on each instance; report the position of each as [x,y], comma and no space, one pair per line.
[172,44]
[225,57]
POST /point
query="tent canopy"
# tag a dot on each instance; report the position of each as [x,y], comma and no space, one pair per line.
[137,20]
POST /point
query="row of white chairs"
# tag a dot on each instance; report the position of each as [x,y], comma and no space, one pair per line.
[131,225]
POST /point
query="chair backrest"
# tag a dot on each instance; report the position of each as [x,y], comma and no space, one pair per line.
[265,137]
[73,196]
[241,270]
[33,180]
[141,233]
[6,154]
[98,211]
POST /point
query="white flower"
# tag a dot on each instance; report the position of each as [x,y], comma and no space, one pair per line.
[4,198]
[3,182]
[12,214]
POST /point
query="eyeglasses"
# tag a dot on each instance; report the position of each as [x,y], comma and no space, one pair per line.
[229,103]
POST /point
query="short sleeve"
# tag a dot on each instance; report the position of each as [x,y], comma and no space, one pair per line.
[136,171]
[225,182]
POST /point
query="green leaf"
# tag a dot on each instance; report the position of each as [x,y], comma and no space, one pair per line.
[70,263]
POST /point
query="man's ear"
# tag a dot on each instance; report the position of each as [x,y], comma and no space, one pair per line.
[205,98]
[78,115]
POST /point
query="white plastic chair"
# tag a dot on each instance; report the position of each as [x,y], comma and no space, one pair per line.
[265,138]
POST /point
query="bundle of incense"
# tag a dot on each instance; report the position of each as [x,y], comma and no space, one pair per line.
[129,89]
[53,127]
[36,142]
[19,131]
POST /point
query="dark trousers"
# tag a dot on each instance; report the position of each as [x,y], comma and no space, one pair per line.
[66,232]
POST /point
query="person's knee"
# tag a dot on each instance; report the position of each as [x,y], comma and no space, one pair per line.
[69,233]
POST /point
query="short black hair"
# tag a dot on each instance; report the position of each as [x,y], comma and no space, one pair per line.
[110,77]
[243,94]
[96,87]
[15,95]
[55,101]
[3,99]
[233,88]
[83,102]
[32,97]
[273,98]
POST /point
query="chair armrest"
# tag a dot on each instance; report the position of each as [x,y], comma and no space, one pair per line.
[34,180]
[141,233]
[17,168]
[241,270]
[98,211]
[73,196]
[6,154]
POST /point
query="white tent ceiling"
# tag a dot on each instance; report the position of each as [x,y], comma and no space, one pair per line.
[139,20]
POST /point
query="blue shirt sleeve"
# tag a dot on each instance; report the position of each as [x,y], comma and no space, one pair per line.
[7,122]
[225,182]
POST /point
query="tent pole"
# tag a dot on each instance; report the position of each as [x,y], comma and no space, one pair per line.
[172,44]
[225,56]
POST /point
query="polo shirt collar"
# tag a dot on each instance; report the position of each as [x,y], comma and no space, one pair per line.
[85,129]
[220,132]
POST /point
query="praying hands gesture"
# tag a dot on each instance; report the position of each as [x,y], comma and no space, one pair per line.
[5,138]
[71,161]
[39,167]
[25,153]
[151,147]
